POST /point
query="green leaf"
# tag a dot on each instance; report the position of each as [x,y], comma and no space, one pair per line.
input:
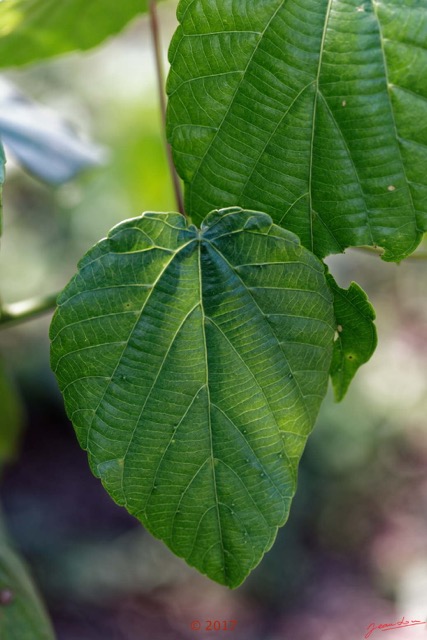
[11,415]
[193,364]
[356,334]
[32,30]
[22,614]
[2,177]
[313,111]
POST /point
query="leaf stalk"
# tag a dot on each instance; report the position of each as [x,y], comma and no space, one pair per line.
[155,33]
[17,312]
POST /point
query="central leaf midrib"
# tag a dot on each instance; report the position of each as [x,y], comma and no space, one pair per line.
[209,409]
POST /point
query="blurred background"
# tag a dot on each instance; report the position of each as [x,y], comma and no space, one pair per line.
[354,550]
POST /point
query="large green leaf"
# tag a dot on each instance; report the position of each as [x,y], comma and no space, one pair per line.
[313,111]
[22,614]
[31,30]
[356,338]
[193,364]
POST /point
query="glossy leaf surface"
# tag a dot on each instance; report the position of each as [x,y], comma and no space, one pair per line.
[193,364]
[313,111]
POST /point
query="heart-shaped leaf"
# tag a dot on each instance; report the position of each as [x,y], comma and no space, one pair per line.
[31,30]
[309,110]
[193,364]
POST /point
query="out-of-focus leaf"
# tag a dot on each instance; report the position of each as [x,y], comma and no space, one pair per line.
[2,176]
[193,364]
[22,614]
[313,111]
[31,30]
[11,415]
[357,335]
[43,142]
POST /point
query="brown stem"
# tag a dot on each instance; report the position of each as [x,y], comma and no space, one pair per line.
[155,32]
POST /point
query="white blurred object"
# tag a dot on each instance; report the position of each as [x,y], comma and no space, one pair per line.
[41,141]
[411,599]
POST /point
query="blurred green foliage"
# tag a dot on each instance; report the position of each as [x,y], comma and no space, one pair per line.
[54,227]
[11,415]
[22,615]
[31,30]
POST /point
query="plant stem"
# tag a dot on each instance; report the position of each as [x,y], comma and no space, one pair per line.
[17,312]
[155,33]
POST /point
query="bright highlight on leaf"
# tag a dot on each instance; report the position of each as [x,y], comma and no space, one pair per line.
[193,364]
[31,30]
[356,334]
[309,110]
